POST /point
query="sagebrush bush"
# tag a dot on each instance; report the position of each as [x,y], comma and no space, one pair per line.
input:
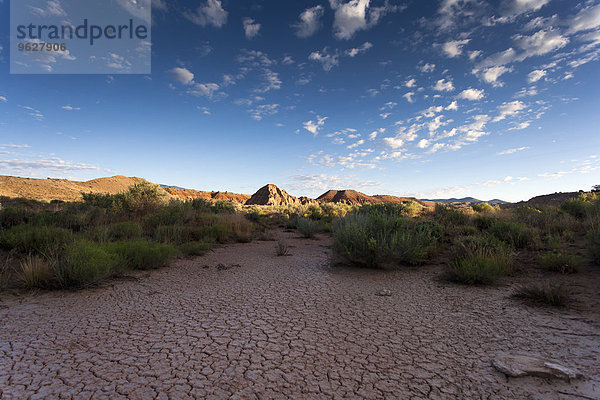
[87,263]
[125,231]
[374,239]
[35,273]
[450,215]
[142,254]
[484,222]
[43,240]
[307,227]
[482,207]
[479,260]
[516,234]
[548,294]
[593,244]
[282,248]
[12,216]
[194,248]
[561,262]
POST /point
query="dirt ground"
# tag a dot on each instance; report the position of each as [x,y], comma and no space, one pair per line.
[243,323]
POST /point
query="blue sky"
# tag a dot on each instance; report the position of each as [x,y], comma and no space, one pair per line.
[426,98]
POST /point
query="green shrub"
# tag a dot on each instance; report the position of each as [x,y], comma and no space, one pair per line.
[44,240]
[35,273]
[125,231]
[561,262]
[479,260]
[450,215]
[307,227]
[282,248]
[516,234]
[98,234]
[593,244]
[12,216]
[142,254]
[581,206]
[194,248]
[378,240]
[544,294]
[484,222]
[482,207]
[86,263]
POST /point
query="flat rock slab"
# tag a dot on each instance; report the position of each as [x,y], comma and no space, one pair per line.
[519,365]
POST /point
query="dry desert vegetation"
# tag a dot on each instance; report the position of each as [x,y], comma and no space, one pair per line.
[132,290]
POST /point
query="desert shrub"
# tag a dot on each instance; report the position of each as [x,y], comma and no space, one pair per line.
[234,227]
[142,254]
[86,263]
[125,231]
[13,216]
[484,222]
[35,273]
[202,205]
[593,244]
[581,206]
[282,248]
[28,238]
[548,294]
[143,198]
[98,234]
[307,227]
[479,260]
[223,207]
[101,200]
[194,248]
[375,240]
[482,207]
[549,220]
[561,262]
[450,215]
[175,234]
[516,234]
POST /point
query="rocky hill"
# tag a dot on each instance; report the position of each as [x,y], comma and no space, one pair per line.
[189,194]
[62,189]
[357,198]
[271,195]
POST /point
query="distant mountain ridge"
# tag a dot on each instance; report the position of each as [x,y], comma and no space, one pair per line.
[467,200]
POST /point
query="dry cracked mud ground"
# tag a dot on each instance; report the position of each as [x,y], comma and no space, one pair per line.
[285,327]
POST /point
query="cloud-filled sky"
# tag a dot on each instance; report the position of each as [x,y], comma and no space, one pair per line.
[427,98]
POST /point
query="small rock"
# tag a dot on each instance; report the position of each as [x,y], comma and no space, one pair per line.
[222,267]
[518,365]
[384,292]
[206,267]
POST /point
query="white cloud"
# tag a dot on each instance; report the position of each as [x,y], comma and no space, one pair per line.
[309,22]
[423,144]
[536,75]
[394,142]
[70,108]
[452,106]
[443,86]
[315,126]
[373,135]
[204,110]
[472,94]
[272,81]
[49,164]
[3,99]
[409,97]
[411,83]
[203,89]
[492,74]
[521,126]
[454,48]
[182,75]
[356,15]
[507,109]
[427,67]
[530,91]
[251,27]
[358,50]
[53,9]
[474,54]
[211,13]
[523,6]
[540,43]
[588,18]
[262,110]
[512,151]
[327,60]
[356,144]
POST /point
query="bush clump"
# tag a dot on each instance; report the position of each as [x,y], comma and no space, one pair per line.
[125,231]
[593,244]
[375,239]
[547,294]
[194,248]
[479,260]
[41,240]
[516,234]
[561,262]
[307,227]
[482,207]
[86,263]
[142,254]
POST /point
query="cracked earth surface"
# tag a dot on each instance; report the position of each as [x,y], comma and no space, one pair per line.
[285,327]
